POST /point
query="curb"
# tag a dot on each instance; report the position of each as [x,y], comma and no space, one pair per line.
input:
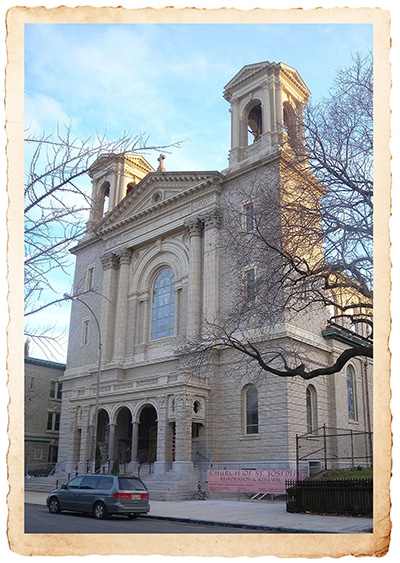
[276,529]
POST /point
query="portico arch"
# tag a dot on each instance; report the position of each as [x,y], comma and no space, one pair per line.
[123,435]
[103,435]
[147,435]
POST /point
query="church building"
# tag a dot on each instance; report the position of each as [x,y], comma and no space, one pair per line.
[155,268]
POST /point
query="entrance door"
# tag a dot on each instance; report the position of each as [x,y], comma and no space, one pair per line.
[147,435]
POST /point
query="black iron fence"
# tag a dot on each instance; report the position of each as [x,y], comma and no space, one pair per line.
[352,497]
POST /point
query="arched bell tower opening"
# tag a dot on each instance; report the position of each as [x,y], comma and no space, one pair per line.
[147,435]
[104,199]
[254,123]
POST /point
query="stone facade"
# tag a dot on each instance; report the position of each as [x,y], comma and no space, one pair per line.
[153,269]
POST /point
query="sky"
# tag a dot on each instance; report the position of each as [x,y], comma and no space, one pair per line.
[165,81]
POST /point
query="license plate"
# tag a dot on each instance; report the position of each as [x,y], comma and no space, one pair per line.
[135,495]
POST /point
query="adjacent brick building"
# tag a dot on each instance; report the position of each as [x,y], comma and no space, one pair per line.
[43,394]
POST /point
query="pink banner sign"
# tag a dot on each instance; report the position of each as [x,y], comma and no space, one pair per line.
[271,481]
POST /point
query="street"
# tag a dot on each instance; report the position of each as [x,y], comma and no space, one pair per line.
[38,520]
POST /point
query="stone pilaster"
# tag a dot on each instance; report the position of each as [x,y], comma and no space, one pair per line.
[183,439]
[195,229]
[109,262]
[212,223]
[120,331]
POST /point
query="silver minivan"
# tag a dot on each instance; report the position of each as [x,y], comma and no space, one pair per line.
[101,495]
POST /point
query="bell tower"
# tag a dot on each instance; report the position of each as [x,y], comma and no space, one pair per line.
[266,104]
[114,176]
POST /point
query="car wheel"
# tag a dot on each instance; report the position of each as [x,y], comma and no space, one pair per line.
[132,516]
[99,510]
[54,505]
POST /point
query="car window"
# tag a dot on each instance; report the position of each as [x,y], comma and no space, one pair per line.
[105,483]
[89,482]
[75,482]
[129,484]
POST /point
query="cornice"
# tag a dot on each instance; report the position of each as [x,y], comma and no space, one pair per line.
[249,72]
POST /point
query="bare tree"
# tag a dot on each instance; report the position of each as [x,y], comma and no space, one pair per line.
[57,203]
[307,258]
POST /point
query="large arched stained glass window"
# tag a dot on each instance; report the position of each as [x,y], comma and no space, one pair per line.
[163,305]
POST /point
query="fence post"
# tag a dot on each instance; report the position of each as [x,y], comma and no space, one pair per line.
[297,457]
[325,454]
[352,448]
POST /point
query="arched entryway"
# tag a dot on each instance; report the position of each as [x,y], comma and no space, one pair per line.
[103,437]
[123,435]
[147,435]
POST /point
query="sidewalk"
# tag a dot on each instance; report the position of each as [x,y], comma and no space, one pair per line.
[255,515]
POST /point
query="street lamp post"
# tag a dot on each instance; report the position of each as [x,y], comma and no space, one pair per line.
[96,408]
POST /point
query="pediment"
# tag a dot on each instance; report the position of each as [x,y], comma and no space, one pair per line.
[251,71]
[154,192]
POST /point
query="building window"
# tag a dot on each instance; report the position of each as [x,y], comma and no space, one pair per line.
[311,406]
[55,390]
[37,454]
[249,217]
[90,278]
[52,455]
[163,305]
[85,332]
[351,393]
[250,285]
[251,410]
[53,421]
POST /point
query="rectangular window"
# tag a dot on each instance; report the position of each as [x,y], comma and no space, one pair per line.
[37,454]
[249,222]
[250,281]
[90,278]
[55,390]
[85,332]
[57,422]
[50,421]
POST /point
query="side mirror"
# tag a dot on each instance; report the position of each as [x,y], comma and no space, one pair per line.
[63,486]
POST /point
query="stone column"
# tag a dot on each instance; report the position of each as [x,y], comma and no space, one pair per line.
[120,330]
[163,445]
[111,442]
[266,108]
[212,223]
[235,139]
[195,228]
[109,262]
[134,444]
